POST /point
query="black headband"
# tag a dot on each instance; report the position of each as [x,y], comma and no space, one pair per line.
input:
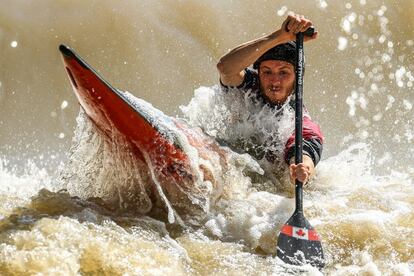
[285,52]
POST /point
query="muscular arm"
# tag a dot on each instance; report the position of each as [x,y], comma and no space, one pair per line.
[231,66]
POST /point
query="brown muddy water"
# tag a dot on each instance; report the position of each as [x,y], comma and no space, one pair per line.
[53,168]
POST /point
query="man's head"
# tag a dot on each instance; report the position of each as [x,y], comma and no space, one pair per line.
[276,70]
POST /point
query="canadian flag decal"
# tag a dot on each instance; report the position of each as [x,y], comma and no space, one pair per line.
[300,233]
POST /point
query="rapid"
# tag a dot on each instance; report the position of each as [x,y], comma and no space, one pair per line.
[69,205]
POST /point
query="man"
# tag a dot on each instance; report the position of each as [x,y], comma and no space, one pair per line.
[274,58]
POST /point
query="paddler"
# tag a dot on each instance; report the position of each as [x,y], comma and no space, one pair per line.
[272,80]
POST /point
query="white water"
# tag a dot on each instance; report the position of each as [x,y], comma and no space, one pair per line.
[358,86]
[349,206]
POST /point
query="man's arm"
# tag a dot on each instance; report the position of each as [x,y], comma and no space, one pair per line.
[312,151]
[231,66]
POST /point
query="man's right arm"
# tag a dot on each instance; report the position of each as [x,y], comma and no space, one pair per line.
[231,66]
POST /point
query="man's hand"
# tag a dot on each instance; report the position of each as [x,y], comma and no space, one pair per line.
[293,24]
[303,171]
[300,172]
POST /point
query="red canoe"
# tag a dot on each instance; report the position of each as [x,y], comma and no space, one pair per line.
[148,135]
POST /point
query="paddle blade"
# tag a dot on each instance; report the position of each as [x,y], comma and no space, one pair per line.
[299,244]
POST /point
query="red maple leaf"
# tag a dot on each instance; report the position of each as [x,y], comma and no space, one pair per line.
[301,233]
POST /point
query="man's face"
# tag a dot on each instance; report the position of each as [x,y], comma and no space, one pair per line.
[277,79]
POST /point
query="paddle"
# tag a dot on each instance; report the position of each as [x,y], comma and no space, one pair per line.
[298,242]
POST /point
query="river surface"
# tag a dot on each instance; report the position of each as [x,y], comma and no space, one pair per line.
[54,168]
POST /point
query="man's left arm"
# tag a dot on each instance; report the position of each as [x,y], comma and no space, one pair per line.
[312,151]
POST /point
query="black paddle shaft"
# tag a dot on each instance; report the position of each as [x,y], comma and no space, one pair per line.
[299,112]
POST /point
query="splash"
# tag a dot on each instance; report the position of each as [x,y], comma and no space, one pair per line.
[380,97]
[101,167]
[245,126]
[96,169]
[26,183]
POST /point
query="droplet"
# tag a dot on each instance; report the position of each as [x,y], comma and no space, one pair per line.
[346,25]
[13,44]
[407,105]
[282,11]
[342,43]
[377,117]
[382,39]
[385,58]
[322,4]
[64,105]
